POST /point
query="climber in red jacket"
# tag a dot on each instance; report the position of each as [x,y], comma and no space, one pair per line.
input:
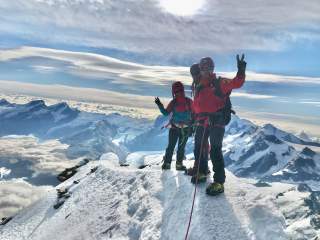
[212,109]
[181,109]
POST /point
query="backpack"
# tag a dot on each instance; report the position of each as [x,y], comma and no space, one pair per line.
[227,109]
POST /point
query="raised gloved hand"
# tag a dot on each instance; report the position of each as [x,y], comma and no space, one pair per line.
[241,65]
[157,101]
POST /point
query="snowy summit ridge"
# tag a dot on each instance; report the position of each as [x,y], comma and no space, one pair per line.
[128,203]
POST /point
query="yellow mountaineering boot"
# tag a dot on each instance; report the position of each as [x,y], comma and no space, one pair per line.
[215,188]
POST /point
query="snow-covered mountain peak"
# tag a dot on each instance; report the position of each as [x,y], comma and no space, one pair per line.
[243,126]
[57,106]
[304,136]
[308,152]
[4,102]
[34,117]
[269,129]
[116,202]
[34,103]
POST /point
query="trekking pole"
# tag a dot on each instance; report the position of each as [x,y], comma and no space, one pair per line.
[196,183]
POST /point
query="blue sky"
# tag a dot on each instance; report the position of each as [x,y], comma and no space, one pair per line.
[281,38]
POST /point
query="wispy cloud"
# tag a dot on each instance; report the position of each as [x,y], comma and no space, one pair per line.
[130,88]
[44,69]
[144,26]
[99,66]
[95,66]
[314,103]
[94,95]
[139,83]
[252,96]
[273,78]
[77,94]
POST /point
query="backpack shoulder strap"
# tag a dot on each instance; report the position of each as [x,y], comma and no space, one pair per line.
[174,104]
[219,93]
[188,100]
[217,86]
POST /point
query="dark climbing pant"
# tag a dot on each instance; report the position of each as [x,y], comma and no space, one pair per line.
[179,135]
[215,134]
[205,152]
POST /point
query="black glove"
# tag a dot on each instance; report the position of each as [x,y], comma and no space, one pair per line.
[241,65]
[157,101]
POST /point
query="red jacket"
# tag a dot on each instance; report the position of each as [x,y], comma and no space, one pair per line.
[181,104]
[181,108]
[205,100]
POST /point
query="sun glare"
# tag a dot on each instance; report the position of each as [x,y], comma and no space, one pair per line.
[182,7]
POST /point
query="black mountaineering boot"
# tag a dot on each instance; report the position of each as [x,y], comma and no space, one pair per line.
[180,166]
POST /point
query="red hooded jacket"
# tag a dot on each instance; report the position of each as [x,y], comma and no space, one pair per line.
[180,106]
[205,100]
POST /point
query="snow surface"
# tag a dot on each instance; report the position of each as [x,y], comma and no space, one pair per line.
[129,203]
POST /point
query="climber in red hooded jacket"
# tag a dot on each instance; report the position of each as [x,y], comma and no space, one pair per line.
[181,109]
[211,94]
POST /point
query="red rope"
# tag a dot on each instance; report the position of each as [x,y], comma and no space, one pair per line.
[196,183]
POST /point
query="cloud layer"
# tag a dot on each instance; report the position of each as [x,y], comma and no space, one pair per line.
[145,27]
[100,67]
[48,157]
[18,194]
[104,84]
[26,160]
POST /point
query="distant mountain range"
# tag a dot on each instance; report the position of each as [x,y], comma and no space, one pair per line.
[264,153]
[87,134]
[261,152]
[270,154]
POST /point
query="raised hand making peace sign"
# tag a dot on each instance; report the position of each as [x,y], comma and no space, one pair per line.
[241,64]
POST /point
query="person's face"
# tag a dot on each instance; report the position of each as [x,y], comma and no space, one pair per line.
[206,73]
[178,94]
